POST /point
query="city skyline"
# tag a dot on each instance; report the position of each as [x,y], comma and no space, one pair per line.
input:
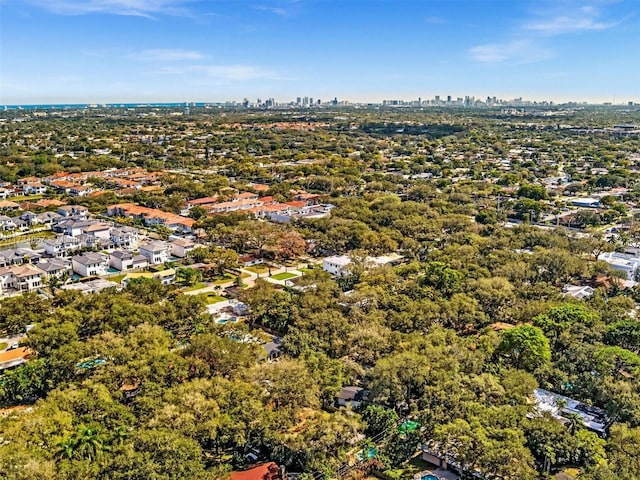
[121,51]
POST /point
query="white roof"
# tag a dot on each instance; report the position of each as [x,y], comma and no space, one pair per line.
[342,260]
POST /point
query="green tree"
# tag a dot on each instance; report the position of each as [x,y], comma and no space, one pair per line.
[525,347]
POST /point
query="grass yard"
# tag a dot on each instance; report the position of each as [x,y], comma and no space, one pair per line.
[227,278]
[116,278]
[3,345]
[409,469]
[258,269]
[212,298]
[25,198]
[284,276]
[197,286]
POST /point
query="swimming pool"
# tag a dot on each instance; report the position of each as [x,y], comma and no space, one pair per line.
[225,320]
[428,476]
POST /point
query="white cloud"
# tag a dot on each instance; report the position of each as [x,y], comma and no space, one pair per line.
[281,12]
[141,8]
[527,44]
[167,55]
[580,20]
[518,51]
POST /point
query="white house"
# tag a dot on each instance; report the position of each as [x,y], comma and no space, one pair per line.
[61,246]
[90,263]
[6,223]
[98,229]
[29,217]
[25,277]
[123,260]
[156,252]
[623,262]
[181,247]
[124,237]
[34,189]
[337,265]
[55,267]
[73,211]
[18,256]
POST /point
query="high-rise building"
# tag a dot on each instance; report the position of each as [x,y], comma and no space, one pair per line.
[448,98]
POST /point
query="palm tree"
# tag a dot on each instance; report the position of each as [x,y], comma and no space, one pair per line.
[89,442]
[66,448]
[120,434]
[575,422]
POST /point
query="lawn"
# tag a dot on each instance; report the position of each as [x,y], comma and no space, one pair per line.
[25,198]
[284,276]
[3,345]
[212,298]
[197,286]
[258,269]
[409,469]
[227,278]
[117,278]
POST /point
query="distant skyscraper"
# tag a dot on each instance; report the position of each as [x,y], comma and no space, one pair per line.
[448,98]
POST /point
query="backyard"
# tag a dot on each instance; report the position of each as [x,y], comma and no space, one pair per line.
[284,276]
[212,298]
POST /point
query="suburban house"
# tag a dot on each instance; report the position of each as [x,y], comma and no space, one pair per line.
[29,217]
[47,218]
[55,267]
[9,205]
[6,223]
[562,408]
[351,397]
[123,260]
[250,260]
[73,211]
[61,246]
[80,190]
[151,216]
[98,229]
[34,189]
[124,237]
[156,252]
[181,247]
[621,261]
[337,265]
[21,278]
[18,256]
[90,263]
[266,471]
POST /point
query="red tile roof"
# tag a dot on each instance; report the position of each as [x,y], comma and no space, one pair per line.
[266,471]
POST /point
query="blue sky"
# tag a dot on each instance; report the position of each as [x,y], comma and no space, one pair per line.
[97,51]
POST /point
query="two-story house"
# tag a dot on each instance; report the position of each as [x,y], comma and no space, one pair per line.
[61,246]
[156,252]
[124,237]
[90,263]
[181,247]
[55,267]
[20,278]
